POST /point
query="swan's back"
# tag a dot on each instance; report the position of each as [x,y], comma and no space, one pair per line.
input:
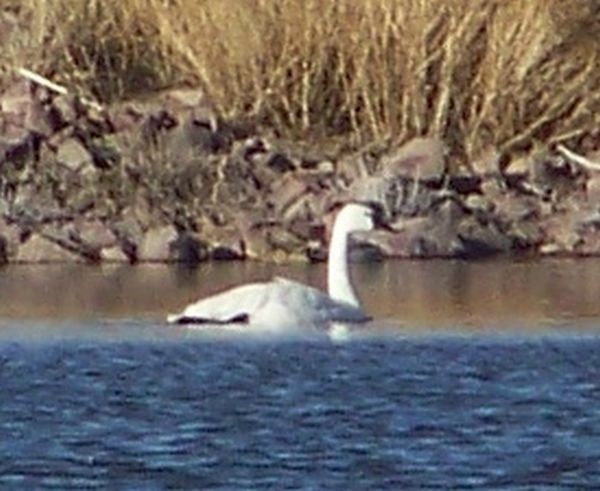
[280,302]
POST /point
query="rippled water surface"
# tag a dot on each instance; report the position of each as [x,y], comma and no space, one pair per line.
[478,376]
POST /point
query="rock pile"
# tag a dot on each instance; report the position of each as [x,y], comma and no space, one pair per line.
[166,180]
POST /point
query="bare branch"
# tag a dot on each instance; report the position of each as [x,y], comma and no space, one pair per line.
[578,159]
[59,89]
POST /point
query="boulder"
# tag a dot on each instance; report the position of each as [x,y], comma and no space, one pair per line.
[114,254]
[381,190]
[593,189]
[225,242]
[511,207]
[96,234]
[286,191]
[10,236]
[419,159]
[478,239]
[165,244]
[156,244]
[62,112]
[38,249]
[273,244]
[560,233]
[18,146]
[410,241]
[487,164]
[590,243]
[75,156]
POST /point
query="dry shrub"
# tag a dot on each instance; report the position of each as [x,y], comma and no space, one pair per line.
[478,73]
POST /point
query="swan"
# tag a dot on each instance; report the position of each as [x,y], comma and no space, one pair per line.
[283,302]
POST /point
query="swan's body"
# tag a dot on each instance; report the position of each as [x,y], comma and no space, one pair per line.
[283,302]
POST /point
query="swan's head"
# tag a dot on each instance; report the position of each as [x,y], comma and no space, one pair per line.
[358,217]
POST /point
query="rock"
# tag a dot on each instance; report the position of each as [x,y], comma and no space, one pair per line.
[554,176]
[593,189]
[114,255]
[464,184]
[420,159]
[181,99]
[285,191]
[487,164]
[354,167]
[106,152]
[73,154]
[416,198]
[62,112]
[478,204]
[14,103]
[156,244]
[480,239]
[590,243]
[560,235]
[526,235]
[225,242]
[10,236]
[519,167]
[381,190]
[273,244]
[37,119]
[165,244]
[96,234]
[188,249]
[512,207]
[19,146]
[280,163]
[130,234]
[38,249]
[192,137]
[409,242]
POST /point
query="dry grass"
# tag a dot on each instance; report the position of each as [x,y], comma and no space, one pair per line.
[478,73]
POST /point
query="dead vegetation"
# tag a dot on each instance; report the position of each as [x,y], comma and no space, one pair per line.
[480,74]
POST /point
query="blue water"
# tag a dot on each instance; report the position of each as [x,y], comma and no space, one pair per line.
[133,407]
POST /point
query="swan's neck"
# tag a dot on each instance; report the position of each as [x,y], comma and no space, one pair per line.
[338,277]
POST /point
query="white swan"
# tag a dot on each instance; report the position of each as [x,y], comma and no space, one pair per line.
[282,302]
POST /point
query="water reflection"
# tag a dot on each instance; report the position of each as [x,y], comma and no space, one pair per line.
[411,293]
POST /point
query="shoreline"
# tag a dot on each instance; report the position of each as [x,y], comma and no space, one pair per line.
[165,180]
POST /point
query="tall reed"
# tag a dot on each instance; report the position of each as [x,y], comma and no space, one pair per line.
[506,74]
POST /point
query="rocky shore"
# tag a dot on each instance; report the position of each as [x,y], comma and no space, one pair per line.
[166,180]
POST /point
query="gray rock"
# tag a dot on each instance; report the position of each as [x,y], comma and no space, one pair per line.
[411,241]
[10,235]
[189,249]
[75,156]
[487,164]
[590,243]
[381,190]
[114,255]
[96,234]
[38,249]
[165,244]
[286,191]
[420,159]
[481,239]
[18,146]
[156,245]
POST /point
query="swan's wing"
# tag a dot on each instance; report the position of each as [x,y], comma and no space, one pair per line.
[276,303]
[237,305]
[315,306]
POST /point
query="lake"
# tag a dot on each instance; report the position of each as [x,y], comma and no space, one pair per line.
[474,376]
